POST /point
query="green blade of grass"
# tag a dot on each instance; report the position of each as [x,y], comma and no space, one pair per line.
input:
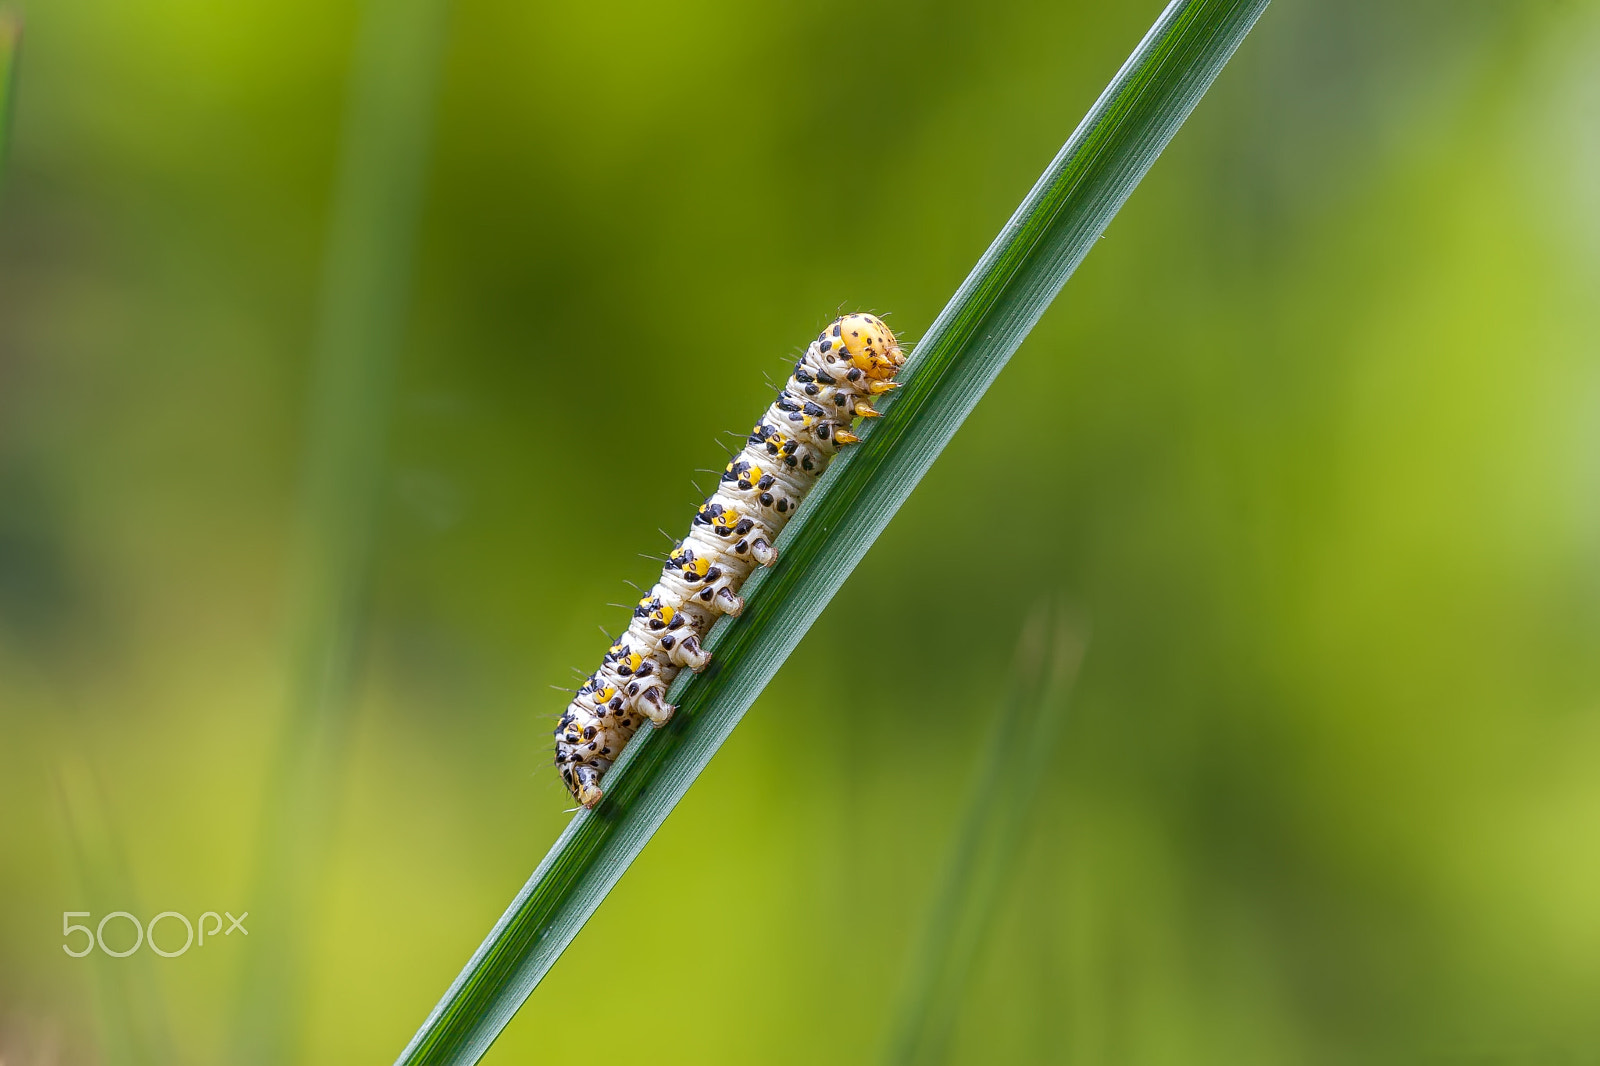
[959,357]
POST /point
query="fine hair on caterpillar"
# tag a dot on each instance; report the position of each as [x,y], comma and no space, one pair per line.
[735,530]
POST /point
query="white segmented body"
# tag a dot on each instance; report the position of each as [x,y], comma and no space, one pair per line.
[732,533]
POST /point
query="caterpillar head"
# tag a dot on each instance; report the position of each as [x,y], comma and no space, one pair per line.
[868,344]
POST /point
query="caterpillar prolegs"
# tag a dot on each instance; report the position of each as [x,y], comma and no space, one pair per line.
[733,532]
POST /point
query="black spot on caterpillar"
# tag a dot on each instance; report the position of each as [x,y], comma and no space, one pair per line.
[734,531]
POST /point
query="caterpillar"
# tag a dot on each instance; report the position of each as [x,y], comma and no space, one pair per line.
[733,532]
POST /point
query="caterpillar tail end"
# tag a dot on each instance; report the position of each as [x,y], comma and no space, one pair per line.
[589,792]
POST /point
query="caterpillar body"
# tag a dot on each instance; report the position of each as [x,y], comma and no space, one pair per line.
[732,533]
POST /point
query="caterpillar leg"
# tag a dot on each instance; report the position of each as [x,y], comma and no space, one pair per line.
[758,549]
[720,598]
[651,704]
[686,651]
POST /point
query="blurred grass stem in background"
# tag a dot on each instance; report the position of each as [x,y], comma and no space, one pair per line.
[988,844]
[131,1016]
[958,358]
[363,310]
[10,45]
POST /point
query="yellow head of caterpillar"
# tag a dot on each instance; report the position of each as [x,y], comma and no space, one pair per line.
[870,345]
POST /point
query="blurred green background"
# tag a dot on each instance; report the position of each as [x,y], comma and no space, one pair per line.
[1312,438]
